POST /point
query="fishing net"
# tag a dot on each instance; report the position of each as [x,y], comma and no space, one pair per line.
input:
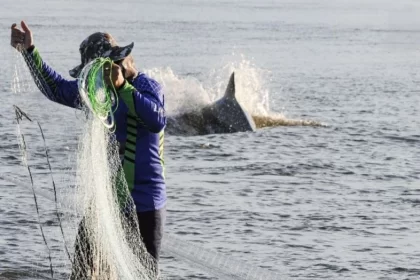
[108,243]
[96,94]
[91,154]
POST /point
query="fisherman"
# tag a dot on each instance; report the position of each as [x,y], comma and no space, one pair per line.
[139,129]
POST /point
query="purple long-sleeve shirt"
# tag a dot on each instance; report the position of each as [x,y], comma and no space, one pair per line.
[139,128]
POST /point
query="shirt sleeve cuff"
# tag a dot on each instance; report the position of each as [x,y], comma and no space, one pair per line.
[30,49]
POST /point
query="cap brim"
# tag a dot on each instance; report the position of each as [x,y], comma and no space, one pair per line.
[116,54]
[119,53]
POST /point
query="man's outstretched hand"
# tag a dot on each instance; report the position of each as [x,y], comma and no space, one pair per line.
[21,38]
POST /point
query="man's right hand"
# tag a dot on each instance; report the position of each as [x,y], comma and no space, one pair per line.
[113,75]
[21,38]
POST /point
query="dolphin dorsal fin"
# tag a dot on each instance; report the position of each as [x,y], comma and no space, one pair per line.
[230,90]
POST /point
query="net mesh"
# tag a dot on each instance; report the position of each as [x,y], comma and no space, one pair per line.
[95,93]
[108,243]
[215,263]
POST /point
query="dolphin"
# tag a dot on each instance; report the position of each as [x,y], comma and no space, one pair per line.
[225,115]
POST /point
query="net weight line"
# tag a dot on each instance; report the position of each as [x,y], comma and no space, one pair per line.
[213,262]
[36,74]
[20,116]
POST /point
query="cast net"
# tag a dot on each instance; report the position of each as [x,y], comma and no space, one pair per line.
[95,93]
[108,243]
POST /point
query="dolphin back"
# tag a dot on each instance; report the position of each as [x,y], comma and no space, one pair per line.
[228,113]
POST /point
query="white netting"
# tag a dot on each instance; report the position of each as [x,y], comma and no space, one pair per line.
[108,245]
[96,95]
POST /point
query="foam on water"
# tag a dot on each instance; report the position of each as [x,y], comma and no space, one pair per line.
[182,94]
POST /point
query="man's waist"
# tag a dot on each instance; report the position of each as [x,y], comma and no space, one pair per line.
[149,155]
[158,182]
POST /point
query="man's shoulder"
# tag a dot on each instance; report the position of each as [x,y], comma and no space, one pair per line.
[145,83]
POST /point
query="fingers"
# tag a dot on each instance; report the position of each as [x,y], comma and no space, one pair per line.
[15,29]
[113,74]
[107,74]
[112,70]
[107,70]
[17,36]
[25,27]
[116,70]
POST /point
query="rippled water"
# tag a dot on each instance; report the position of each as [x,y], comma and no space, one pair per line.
[340,201]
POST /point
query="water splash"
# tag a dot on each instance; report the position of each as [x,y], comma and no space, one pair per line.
[184,94]
[251,82]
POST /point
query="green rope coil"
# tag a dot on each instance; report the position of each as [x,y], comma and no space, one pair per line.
[96,93]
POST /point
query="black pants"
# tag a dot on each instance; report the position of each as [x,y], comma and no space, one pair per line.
[151,230]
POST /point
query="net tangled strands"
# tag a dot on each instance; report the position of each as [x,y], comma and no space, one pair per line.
[109,244]
[215,263]
[35,73]
[96,94]
[109,231]
[109,239]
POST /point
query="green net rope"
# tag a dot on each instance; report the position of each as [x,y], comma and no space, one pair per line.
[97,94]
